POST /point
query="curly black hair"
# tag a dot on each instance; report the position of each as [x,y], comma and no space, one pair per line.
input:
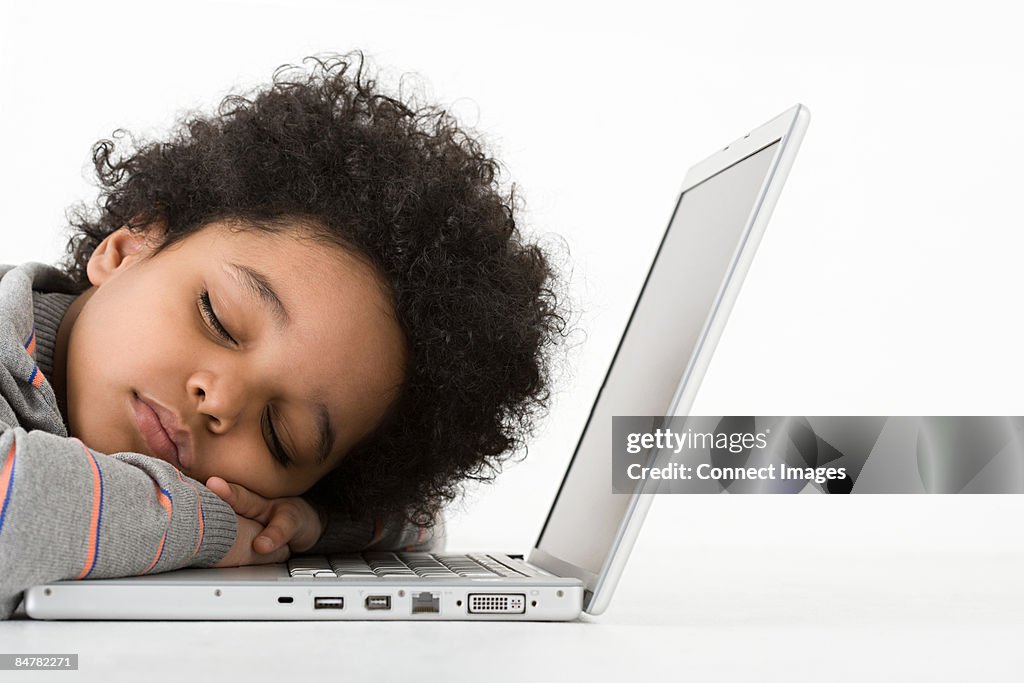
[405,187]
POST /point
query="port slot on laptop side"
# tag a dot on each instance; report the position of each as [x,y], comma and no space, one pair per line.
[426,603]
[382,602]
[328,603]
[497,603]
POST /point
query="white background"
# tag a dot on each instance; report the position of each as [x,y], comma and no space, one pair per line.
[887,282]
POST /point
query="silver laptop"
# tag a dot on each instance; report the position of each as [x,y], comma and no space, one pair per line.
[719,217]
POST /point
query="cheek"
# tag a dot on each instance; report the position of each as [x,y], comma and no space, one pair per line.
[264,482]
[242,460]
[117,346]
[128,333]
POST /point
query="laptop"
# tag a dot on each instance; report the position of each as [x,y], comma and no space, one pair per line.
[720,214]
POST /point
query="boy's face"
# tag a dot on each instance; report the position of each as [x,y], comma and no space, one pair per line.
[142,337]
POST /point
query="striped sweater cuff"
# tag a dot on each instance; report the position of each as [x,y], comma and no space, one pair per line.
[219,528]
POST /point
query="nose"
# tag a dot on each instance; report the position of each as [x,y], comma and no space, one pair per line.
[219,397]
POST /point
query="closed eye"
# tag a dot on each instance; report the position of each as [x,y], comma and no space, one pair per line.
[276,448]
[206,310]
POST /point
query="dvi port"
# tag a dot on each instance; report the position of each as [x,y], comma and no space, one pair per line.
[497,603]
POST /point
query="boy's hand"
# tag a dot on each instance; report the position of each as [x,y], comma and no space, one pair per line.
[241,552]
[290,521]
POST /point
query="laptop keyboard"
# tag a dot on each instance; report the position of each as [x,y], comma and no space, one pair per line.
[409,565]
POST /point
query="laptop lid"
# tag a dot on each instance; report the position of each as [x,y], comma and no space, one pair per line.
[720,215]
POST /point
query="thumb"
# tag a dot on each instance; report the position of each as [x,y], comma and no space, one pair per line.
[219,487]
[243,501]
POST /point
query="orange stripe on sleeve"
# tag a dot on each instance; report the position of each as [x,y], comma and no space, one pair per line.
[165,502]
[94,516]
[6,481]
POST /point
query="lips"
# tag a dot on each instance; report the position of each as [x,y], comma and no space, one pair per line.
[159,429]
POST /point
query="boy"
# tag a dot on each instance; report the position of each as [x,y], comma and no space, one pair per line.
[306,318]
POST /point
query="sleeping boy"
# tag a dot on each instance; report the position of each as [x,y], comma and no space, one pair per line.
[293,326]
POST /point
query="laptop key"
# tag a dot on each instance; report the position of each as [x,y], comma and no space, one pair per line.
[309,566]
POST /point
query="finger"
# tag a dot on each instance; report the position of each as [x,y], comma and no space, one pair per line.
[219,487]
[264,544]
[280,555]
[279,530]
[243,501]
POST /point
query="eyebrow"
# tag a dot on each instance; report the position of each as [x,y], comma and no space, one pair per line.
[258,285]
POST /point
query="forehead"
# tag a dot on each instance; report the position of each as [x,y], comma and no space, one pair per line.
[297,264]
[291,252]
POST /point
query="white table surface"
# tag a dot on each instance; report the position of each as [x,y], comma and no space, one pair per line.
[768,613]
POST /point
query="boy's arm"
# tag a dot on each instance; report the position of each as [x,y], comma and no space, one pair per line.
[342,534]
[69,512]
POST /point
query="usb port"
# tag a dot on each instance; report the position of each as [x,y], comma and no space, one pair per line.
[328,603]
[378,602]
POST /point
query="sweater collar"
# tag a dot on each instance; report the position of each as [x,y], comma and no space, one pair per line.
[48,309]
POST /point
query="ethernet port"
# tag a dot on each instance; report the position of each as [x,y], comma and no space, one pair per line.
[426,602]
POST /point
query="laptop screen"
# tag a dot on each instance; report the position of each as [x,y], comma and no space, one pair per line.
[658,347]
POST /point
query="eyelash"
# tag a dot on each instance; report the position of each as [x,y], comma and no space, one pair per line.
[206,308]
[206,311]
[278,449]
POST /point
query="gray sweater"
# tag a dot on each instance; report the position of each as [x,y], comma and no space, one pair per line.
[70,512]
